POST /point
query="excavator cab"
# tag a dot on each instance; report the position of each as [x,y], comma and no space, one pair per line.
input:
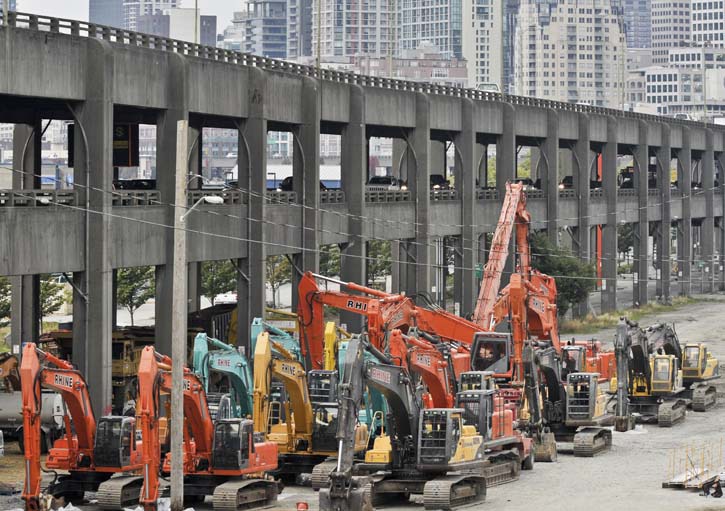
[573,360]
[440,445]
[698,364]
[115,443]
[477,406]
[491,351]
[477,380]
[581,397]
[666,375]
[322,386]
[233,444]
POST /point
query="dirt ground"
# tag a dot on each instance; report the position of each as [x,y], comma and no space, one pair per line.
[628,477]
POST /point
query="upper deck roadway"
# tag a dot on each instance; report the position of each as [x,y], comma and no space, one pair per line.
[61,69]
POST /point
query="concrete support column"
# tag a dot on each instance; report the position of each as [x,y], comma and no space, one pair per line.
[707,230]
[193,287]
[720,230]
[166,133]
[609,231]
[355,163]
[506,171]
[195,153]
[550,179]
[419,273]
[93,319]
[664,237]
[306,176]
[465,286]
[581,154]
[252,164]
[641,257]
[25,301]
[684,234]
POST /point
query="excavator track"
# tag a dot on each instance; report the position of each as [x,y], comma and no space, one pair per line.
[502,469]
[591,441]
[670,413]
[119,492]
[321,474]
[453,490]
[704,396]
[245,494]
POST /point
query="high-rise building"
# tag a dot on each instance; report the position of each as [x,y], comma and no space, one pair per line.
[12,5]
[234,35]
[266,28]
[434,21]
[638,23]
[182,24]
[352,28]
[510,22]
[483,43]
[572,52]
[707,22]
[299,28]
[132,9]
[670,27]
[105,12]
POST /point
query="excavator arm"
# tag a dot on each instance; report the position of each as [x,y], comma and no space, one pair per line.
[58,375]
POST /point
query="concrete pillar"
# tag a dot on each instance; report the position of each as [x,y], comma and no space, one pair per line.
[25,300]
[355,163]
[641,256]
[93,319]
[252,164]
[306,177]
[720,231]
[664,241]
[684,234]
[609,230]
[465,285]
[581,156]
[420,253]
[193,287]
[707,230]
[506,170]
[196,142]
[550,178]
[166,179]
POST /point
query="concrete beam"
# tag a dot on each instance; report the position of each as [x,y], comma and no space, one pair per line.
[353,265]
[664,237]
[252,164]
[707,229]
[93,168]
[609,231]
[641,238]
[166,141]
[465,288]
[684,232]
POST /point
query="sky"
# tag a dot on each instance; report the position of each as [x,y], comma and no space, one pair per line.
[78,9]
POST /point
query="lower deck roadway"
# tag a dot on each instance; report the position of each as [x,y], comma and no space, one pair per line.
[627,477]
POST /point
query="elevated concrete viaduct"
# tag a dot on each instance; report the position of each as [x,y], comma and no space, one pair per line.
[60,69]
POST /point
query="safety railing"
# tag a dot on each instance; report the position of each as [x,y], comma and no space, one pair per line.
[136,197]
[567,194]
[130,38]
[487,194]
[653,192]
[388,196]
[627,192]
[37,198]
[535,194]
[441,195]
[597,192]
[274,197]
[228,196]
[332,196]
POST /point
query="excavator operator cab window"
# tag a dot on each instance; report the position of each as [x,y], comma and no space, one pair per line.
[662,373]
[491,353]
[114,441]
[692,355]
[231,444]
[573,360]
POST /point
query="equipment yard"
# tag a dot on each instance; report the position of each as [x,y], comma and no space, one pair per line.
[630,474]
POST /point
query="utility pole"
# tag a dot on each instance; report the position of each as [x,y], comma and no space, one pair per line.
[6,10]
[178,319]
[196,21]
[318,60]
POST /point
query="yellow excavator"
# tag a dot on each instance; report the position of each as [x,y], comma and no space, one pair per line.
[303,425]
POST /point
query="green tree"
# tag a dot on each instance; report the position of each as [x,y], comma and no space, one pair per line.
[574,278]
[217,277]
[379,260]
[330,260]
[51,296]
[5,302]
[279,272]
[625,238]
[134,287]
[490,172]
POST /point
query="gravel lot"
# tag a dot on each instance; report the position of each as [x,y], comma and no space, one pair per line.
[627,477]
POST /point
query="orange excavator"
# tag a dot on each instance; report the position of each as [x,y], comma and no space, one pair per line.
[221,458]
[91,452]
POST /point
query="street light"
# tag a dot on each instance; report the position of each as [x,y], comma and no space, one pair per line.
[209,199]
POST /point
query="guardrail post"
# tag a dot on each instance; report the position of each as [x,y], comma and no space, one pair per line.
[707,229]
[581,154]
[355,162]
[609,230]
[550,179]
[464,277]
[641,245]
[664,235]
[93,317]
[252,177]
[684,234]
